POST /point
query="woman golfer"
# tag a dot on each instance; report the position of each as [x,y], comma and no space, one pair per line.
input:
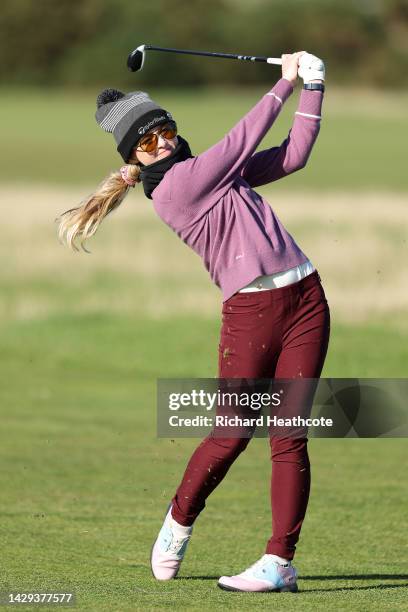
[276,320]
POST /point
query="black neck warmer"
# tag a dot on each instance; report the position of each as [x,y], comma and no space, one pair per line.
[152,174]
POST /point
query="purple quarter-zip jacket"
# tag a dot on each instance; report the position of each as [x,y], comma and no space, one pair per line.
[210,203]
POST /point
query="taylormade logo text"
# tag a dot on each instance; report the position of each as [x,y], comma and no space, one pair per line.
[142,130]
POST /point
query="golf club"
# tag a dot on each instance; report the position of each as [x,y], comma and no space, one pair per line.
[137,56]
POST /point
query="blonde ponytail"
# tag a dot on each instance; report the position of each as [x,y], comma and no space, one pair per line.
[84,220]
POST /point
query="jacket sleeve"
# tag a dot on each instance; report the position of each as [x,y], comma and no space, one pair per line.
[275,163]
[213,171]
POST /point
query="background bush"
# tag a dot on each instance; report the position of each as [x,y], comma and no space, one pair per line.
[86,42]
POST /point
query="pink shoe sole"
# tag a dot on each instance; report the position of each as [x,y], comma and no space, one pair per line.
[230,583]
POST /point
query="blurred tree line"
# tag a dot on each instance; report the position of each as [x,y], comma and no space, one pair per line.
[86,42]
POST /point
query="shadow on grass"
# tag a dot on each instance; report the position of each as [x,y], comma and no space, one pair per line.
[339,577]
[375,587]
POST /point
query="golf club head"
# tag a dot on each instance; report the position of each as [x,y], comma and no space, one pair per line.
[136,59]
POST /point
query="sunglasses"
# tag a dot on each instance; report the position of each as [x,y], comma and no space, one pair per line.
[149,143]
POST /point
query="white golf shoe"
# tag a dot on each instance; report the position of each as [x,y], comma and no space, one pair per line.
[169,548]
[266,575]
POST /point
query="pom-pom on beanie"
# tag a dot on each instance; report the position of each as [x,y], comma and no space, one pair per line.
[128,116]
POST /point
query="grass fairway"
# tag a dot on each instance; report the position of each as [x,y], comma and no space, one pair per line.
[85,481]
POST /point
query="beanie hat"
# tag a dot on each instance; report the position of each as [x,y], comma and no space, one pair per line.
[128,117]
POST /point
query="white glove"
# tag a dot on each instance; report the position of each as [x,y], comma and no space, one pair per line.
[310,68]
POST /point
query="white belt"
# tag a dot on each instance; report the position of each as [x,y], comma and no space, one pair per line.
[280,279]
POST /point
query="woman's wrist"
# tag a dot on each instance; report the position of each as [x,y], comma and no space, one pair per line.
[293,83]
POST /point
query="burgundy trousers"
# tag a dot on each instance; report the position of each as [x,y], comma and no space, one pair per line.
[276,333]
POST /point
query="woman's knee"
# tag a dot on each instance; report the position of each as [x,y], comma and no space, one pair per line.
[289,449]
[230,446]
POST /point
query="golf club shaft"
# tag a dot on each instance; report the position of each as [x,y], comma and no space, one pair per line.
[247,58]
